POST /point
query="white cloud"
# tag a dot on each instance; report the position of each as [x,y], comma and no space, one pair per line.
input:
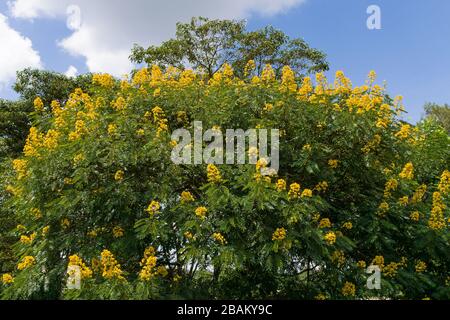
[109,28]
[17,52]
[71,72]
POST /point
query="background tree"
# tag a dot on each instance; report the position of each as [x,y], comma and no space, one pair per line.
[208,44]
[440,113]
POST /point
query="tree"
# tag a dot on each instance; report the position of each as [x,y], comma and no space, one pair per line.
[97,190]
[208,44]
[440,113]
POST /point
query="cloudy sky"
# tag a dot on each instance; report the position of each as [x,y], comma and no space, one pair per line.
[411,51]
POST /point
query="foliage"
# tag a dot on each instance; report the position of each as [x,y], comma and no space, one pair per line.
[440,113]
[96,188]
[209,44]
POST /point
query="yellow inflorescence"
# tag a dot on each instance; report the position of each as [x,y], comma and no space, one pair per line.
[279,234]
[86,272]
[110,268]
[201,212]
[26,262]
[213,174]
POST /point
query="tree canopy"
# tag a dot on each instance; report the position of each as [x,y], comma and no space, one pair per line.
[208,44]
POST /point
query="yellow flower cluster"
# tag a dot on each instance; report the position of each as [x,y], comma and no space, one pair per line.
[118,232]
[38,104]
[415,216]
[186,197]
[321,186]
[372,145]
[347,225]
[325,223]
[361,264]
[421,266]
[407,172]
[391,185]
[7,278]
[404,133]
[378,261]
[349,289]
[119,175]
[213,174]
[33,143]
[333,163]
[219,238]
[288,83]
[120,104]
[383,209]
[281,185]
[330,238]
[419,194]
[86,272]
[153,208]
[160,120]
[390,270]
[110,268]
[267,74]
[338,257]
[20,166]
[279,234]
[26,262]
[249,67]
[437,220]
[307,193]
[104,80]
[28,240]
[201,212]
[294,191]
[147,272]
[80,129]
[51,139]
[403,201]
[444,183]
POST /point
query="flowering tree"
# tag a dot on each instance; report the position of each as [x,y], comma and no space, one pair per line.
[96,191]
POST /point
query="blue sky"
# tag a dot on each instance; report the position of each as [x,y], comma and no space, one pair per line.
[411,51]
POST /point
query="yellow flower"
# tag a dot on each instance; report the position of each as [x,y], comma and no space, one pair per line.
[333,163]
[188,235]
[20,166]
[421,266]
[349,289]
[38,104]
[249,67]
[407,172]
[281,185]
[110,268]
[45,231]
[219,238]
[153,208]
[419,194]
[186,197]
[348,225]
[437,219]
[288,82]
[383,208]
[112,129]
[361,264]
[267,74]
[118,232]
[279,234]
[65,223]
[404,201]
[201,212]
[444,183]
[7,278]
[404,132]
[378,261]
[325,223]
[119,175]
[330,237]
[213,174]
[104,80]
[294,191]
[27,262]
[307,193]
[86,272]
[321,186]
[391,185]
[320,296]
